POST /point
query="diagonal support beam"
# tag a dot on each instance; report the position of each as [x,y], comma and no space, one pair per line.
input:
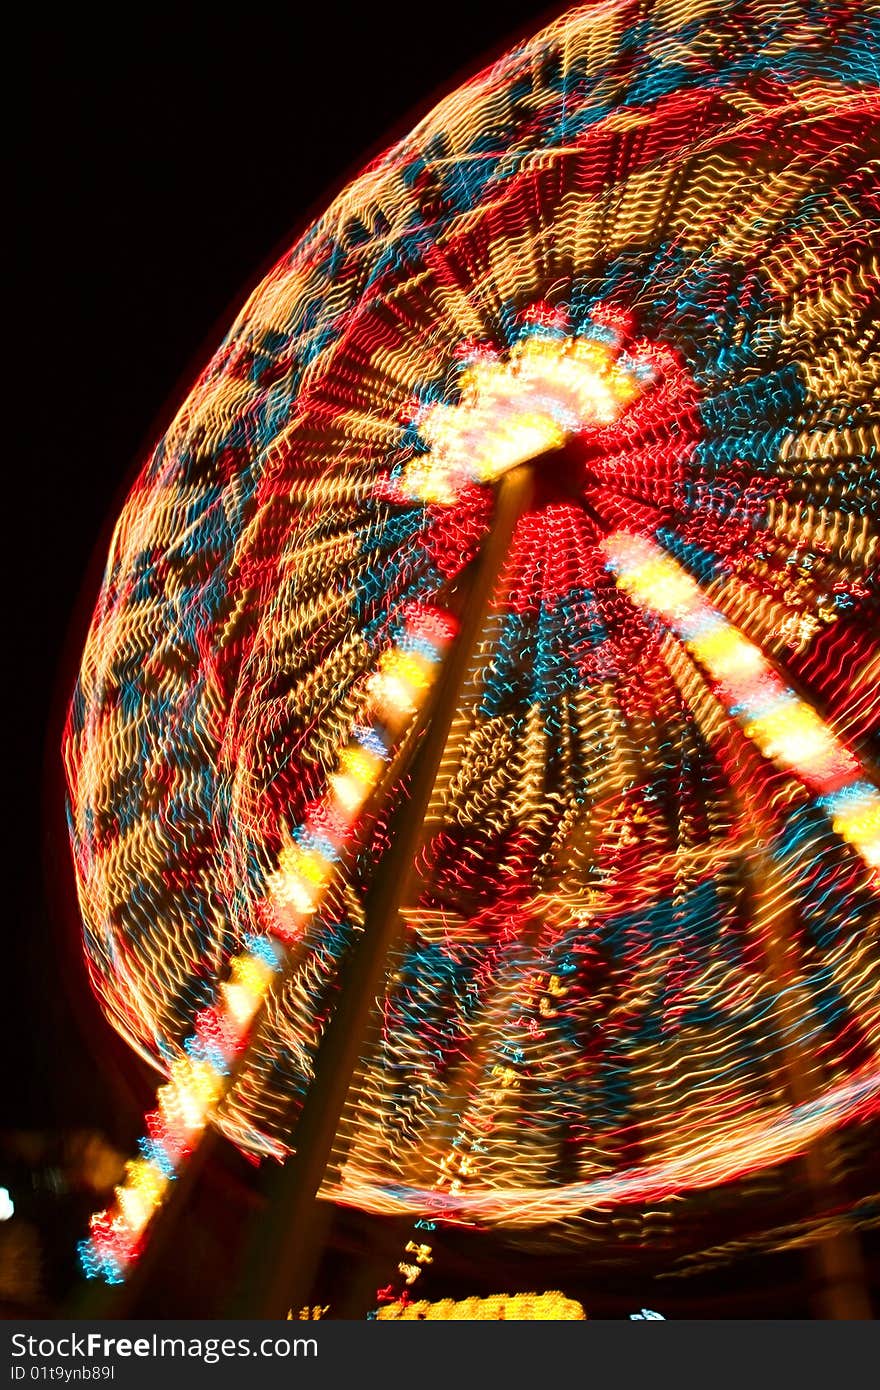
[280,1267]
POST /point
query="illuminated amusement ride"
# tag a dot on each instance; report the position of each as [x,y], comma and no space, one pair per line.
[470,767]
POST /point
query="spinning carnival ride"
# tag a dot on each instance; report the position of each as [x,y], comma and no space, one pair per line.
[470,768]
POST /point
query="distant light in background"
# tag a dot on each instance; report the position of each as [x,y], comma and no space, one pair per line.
[7,1206]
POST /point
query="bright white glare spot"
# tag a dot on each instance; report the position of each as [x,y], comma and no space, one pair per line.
[7,1206]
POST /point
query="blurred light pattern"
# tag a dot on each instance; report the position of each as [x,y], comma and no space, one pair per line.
[200,1076]
[787,731]
[512,1307]
[641,970]
[548,390]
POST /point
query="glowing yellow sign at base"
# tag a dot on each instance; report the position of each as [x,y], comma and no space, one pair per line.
[498,1307]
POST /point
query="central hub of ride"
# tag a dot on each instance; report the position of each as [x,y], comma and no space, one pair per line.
[547,390]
